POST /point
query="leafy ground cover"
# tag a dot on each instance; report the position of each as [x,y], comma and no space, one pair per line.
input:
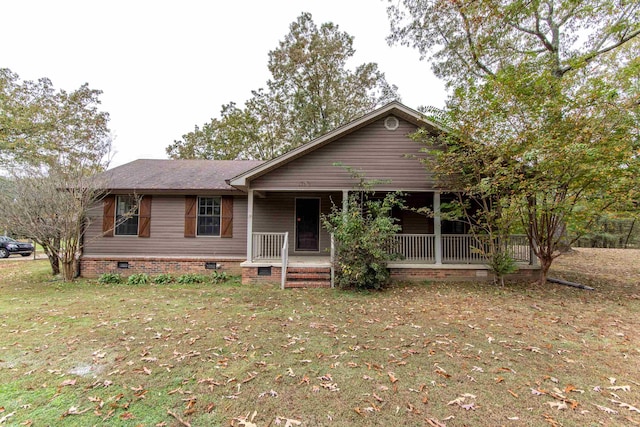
[454,354]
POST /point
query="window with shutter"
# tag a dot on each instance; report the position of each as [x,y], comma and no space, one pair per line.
[108,215]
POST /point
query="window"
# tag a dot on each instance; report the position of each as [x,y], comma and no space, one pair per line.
[126,216]
[208,216]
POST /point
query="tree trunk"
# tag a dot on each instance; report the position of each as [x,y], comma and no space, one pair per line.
[68,270]
[545,265]
[55,262]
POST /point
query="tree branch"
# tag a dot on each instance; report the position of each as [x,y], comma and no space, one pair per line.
[591,56]
[472,46]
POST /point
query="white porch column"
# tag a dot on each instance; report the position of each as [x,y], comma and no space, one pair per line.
[345,201]
[250,226]
[437,227]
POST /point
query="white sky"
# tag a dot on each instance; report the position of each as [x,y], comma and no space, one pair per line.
[165,66]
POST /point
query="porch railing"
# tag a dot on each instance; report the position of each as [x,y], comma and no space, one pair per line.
[463,249]
[418,248]
[470,249]
[415,247]
[268,245]
[518,247]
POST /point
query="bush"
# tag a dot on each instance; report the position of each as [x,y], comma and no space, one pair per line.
[501,264]
[163,279]
[218,277]
[110,278]
[191,278]
[362,237]
[138,279]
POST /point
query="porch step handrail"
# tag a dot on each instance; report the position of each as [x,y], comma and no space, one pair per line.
[285,259]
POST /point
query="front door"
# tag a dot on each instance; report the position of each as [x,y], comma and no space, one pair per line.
[308,225]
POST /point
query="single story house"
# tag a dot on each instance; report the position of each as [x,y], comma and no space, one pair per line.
[262,219]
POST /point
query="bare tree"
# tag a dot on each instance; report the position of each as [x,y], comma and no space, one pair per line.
[50,207]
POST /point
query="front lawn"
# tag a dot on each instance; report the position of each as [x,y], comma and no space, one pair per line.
[426,354]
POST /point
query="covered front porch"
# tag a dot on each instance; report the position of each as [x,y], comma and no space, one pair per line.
[300,250]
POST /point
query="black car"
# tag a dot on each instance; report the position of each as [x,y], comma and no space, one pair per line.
[9,246]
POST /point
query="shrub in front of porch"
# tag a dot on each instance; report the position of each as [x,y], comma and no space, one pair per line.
[361,236]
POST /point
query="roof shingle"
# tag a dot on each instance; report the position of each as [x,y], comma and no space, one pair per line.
[176,175]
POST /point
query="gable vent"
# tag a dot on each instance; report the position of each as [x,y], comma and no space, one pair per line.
[391,123]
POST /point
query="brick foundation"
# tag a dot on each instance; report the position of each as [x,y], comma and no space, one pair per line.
[453,274]
[94,267]
[405,274]
[250,276]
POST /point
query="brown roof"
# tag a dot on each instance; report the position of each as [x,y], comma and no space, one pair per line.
[176,175]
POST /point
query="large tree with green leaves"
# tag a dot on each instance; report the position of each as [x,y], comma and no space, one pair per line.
[544,106]
[311,91]
[40,125]
[52,144]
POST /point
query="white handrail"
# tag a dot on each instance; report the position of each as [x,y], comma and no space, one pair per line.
[285,259]
[333,257]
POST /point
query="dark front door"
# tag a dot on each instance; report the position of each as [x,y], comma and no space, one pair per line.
[307,225]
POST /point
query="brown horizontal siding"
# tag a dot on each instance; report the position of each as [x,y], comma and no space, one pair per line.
[413,222]
[379,153]
[167,234]
[276,213]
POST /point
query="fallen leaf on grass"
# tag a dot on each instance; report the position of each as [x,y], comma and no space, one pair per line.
[558,405]
[288,422]
[625,405]
[271,393]
[6,417]
[435,423]
[392,377]
[551,421]
[68,383]
[605,409]
[620,387]
[330,386]
[247,421]
[74,411]
[456,401]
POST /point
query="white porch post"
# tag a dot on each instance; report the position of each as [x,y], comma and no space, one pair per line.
[250,226]
[345,201]
[437,227]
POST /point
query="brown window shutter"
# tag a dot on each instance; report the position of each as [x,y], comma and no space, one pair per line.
[108,215]
[190,208]
[144,229]
[226,220]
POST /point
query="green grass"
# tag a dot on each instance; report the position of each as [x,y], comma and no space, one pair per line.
[215,354]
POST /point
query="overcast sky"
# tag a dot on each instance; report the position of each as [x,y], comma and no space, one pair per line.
[165,66]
